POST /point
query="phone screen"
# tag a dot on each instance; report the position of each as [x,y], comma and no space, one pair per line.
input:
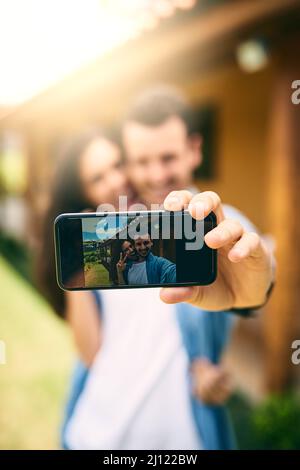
[123,250]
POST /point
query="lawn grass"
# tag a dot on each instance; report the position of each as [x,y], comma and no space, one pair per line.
[96,275]
[39,356]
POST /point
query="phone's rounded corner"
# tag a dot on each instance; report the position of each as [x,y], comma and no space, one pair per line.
[57,219]
[59,282]
[213,278]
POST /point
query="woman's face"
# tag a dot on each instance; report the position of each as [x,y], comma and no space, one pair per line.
[101,173]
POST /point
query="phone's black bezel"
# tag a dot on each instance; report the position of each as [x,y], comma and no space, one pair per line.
[210,216]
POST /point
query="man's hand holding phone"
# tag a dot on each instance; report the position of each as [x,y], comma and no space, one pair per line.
[245,272]
[91,253]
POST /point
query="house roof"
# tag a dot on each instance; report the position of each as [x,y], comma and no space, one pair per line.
[126,65]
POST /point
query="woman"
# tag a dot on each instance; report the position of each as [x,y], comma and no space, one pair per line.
[88,174]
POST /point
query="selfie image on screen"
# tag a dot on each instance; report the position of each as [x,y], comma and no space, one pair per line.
[131,249]
[122,251]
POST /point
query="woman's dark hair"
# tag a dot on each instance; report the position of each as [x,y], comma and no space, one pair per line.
[66,195]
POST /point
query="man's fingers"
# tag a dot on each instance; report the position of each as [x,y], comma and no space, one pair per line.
[250,245]
[171,295]
[245,243]
[199,205]
[220,396]
[228,231]
[177,200]
[204,203]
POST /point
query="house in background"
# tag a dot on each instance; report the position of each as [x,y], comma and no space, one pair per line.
[237,59]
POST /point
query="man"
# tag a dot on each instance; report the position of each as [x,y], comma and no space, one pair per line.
[162,150]
[157,343]
[145,268]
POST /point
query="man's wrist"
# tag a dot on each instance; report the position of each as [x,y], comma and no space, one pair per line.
[247,311]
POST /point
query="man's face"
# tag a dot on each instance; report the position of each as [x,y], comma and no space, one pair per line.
[143,245]
[129,250]
[160,159]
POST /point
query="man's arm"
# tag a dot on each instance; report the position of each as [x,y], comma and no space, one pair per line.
[245,264]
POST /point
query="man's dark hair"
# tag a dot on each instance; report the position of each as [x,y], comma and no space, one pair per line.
[157,104]
[141,234]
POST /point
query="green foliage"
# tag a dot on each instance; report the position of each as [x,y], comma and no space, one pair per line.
[90,258]
[39,360]
[276,422]
[273,424]
[17,254]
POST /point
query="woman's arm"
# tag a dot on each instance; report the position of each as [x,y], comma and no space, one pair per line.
[121,266]
[83,317]
[121,280]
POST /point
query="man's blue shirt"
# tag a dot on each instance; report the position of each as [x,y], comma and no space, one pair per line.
[159,270]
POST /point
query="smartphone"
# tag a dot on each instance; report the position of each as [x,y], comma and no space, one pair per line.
[119,250]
